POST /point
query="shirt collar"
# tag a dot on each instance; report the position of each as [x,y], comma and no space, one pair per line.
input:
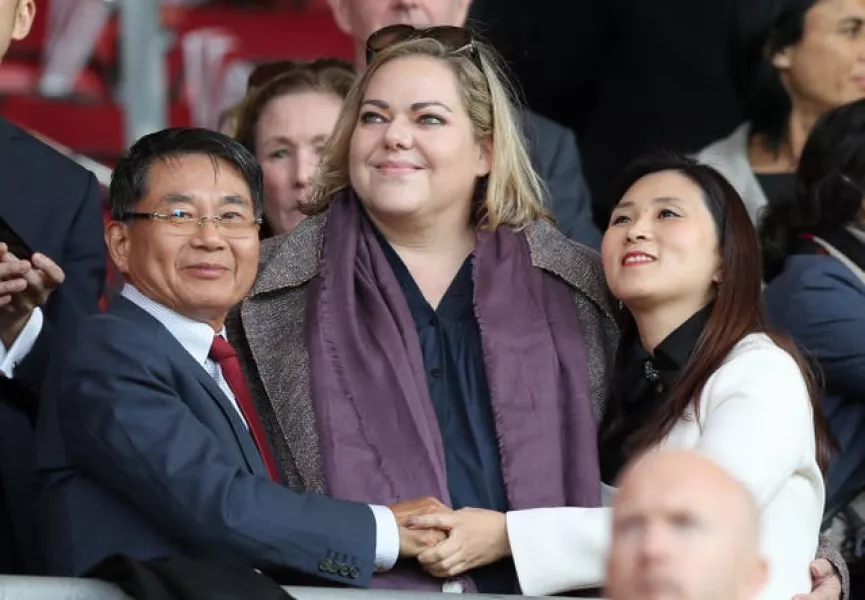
[196,337]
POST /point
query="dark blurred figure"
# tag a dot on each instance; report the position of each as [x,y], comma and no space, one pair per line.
[627,75]
[814,255]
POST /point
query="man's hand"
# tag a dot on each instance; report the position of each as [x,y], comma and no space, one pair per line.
[412,543]
[476,538]
[24,285]
[825,583]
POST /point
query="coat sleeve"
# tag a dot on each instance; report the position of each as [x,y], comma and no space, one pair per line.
[123,423]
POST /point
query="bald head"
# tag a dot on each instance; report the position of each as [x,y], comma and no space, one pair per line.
[683,529]
[361,18]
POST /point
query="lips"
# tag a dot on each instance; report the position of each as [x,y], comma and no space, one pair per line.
[206,270]
[637,258]
[397,167]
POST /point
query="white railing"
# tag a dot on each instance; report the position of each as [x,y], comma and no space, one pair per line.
[50,588]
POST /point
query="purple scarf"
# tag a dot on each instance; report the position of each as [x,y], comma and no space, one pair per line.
[380,440]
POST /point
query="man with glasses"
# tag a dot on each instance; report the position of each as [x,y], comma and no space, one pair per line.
[149,442]
[553,148]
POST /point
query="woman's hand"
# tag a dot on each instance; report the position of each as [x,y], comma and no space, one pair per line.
[475,538]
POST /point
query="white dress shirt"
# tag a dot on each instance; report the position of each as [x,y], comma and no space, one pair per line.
[23,344]
[756,421]
[196,338]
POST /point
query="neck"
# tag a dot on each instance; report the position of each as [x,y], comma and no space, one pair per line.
[655,324]
[437,240]
[802,120]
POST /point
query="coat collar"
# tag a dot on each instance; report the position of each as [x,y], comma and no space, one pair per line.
[291,260]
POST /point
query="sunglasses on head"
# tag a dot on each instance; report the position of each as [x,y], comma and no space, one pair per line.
[454,39]
[267,72]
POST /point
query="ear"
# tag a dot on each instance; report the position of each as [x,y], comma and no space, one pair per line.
[24,16]
[341,14]
[783,59]
[485,158]
[117,241]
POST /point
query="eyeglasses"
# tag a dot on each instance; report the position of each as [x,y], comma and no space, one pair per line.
[454,39]
[267,72]
[230,226]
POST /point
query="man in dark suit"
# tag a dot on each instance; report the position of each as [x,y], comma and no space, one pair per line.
[55,206]
[553,149]
[148,441]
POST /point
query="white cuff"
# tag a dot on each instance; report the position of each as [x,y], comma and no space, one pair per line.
[386,538]
[23,344]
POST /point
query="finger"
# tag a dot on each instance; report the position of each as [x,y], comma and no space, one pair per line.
[439,552]
[442,521]
[13,268]
[821,568]
[53,274]
[4,300]
[13,286]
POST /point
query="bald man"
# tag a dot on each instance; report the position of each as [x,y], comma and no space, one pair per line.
[683,528]
[553,148]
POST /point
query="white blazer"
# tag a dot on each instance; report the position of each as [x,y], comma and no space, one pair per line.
[756,421]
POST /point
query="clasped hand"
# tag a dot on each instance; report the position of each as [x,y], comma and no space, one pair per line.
[448,543]
[24,285]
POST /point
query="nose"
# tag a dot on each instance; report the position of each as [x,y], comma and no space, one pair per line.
[208,237]
[398,135]
[305,166]
[640,228]
[655,542]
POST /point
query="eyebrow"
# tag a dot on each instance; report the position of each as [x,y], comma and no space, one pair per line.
[414,107]
[657,200]
[232,199]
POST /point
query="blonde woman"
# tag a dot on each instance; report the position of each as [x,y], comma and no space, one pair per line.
[426,331]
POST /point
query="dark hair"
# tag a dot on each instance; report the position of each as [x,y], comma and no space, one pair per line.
[326,76]
[735,312]
[763,29]
[830,182]
[130,178]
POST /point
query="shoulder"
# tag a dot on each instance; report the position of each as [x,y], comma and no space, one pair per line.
[811,276]
[33,151]
[577,265]
[292,259]
[757,367]
[105,338]
[544,128]
[734,145]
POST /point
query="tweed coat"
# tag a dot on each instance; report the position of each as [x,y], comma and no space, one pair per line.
[268,330]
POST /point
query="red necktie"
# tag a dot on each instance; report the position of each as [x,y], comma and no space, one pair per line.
[223,354]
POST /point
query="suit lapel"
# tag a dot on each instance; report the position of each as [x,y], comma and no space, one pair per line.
[184,361]
[275,332]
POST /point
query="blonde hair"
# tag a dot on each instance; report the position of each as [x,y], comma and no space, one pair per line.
[326,76]
[511,195]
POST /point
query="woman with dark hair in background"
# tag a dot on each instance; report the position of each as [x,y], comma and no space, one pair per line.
[797,60]
[697,368]
[814,259]
[285,119]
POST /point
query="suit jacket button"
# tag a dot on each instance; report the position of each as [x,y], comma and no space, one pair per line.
[354,572]
[343,571]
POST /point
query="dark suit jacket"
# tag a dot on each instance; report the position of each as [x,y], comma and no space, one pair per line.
[56,207]
[140,453]
[556,158]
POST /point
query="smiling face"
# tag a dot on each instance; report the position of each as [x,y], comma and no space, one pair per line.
[413,153]
[199,275]
[289,137]
[661,246]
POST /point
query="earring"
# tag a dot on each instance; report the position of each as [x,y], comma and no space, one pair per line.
[621,305]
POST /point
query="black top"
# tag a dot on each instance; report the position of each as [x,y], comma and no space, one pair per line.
[453,359]
[778,187]
[645,381]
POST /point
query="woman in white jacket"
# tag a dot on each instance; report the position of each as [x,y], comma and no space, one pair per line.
[697,369]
